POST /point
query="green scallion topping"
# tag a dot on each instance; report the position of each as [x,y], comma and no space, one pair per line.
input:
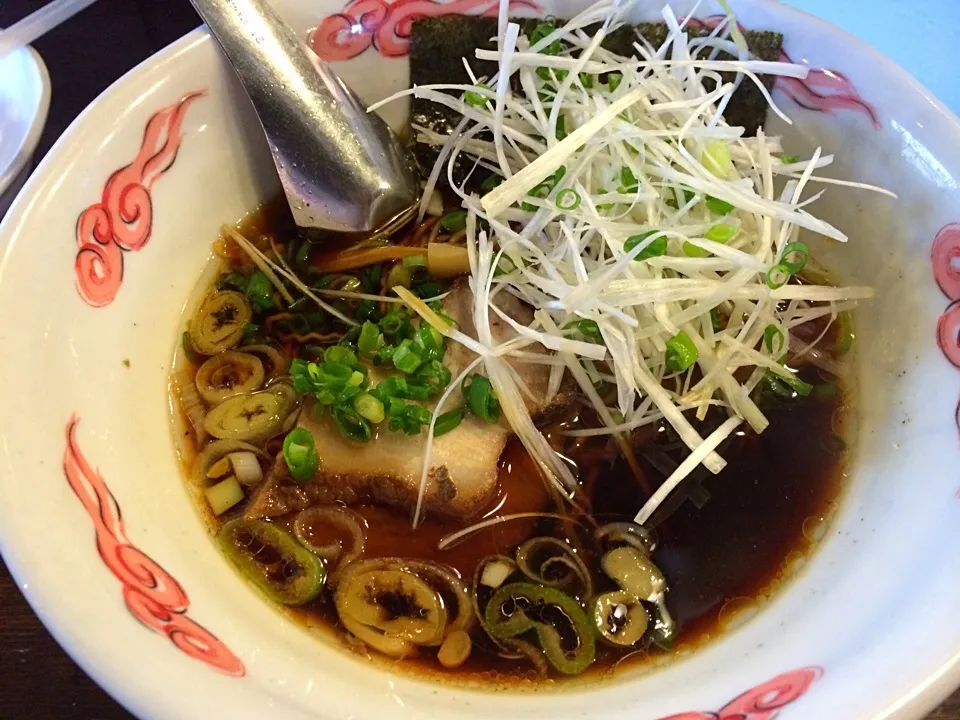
[656,248]
[789,159]
[369,408]
[695,251]
[456,220]
[407,357]
[721,233]
[260,291]
[474,98]
[773,340]
[718,206]
[489,183]
[794,257]
[613,80]
[448,421]
[777,276]
[681,352]
[300,454]
[568,199]
[351,425]
[478,392]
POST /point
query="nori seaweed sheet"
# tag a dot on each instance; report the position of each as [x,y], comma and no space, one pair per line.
[439,44]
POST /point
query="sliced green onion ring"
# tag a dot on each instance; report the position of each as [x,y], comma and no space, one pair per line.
[568,199]
[794,257]
[777,276]
[773,339]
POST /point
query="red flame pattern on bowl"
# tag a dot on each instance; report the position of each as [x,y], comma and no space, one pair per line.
[386,26]
[823,90]
[151,594]
[763,702]
[945,256]
[123,219]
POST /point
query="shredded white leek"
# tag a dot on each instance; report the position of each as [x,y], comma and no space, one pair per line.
[651,152]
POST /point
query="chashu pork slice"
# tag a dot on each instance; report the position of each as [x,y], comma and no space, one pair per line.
[387,470]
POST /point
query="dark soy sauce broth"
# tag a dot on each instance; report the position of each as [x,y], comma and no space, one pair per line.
[726,544]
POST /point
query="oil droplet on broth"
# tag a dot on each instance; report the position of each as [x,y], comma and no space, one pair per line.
[736,612]
[814,528]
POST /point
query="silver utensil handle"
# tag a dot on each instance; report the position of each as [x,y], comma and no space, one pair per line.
[314,123]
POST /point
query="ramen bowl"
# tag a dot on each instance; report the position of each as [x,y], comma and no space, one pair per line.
[103,247]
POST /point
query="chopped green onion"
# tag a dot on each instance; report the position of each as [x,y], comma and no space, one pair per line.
[721,233]
[351,425]
[586,80]
[433,375]
[429,341]
[772,334]
[303,254]
[825,390]
[561,127]
[234,281]
[369,408]
[448,421]
[590,330]
[628,179]
[718,206]
[603,206]
[540,32]
[356,379]
[456,220]
[794,257]
[671,200]
[695,251]
[399,275]
[250,329]
[384,355]
[789,159]
[504,267]
[407,357]
[777,276]
[415,261]
[715,320]
[340,354]
[474,98]
[428,289]
[490,182]
[540,191]
[681,352]
[478,392]
[613,80]
[367,311]
[260,291]
[568,199]
[716,158]
[370,277]
[300,454]
[786,387]
[656,248]
[395,322]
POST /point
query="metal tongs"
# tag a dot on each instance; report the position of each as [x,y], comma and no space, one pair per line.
[342,169]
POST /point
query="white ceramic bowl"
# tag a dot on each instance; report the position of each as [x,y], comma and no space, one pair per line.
[24,101]
[104,244]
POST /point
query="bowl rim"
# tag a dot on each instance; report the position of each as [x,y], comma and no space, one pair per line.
[942,678]
[39,120]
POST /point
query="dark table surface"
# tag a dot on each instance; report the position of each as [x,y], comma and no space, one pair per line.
[37,679]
